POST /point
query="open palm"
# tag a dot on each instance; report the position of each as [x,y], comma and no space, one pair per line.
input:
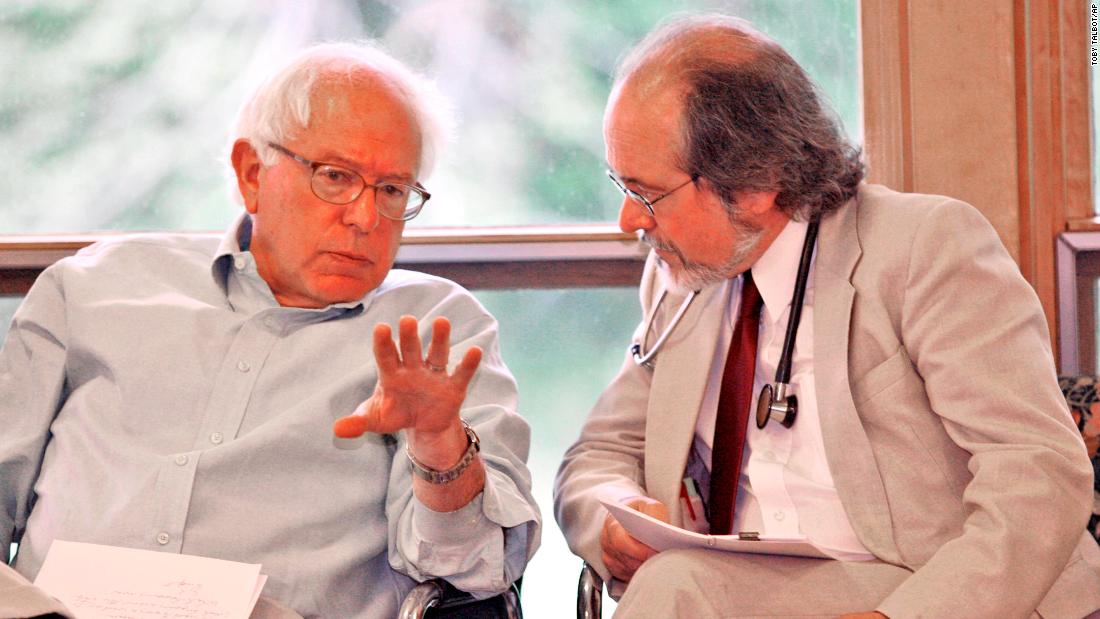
[413,392]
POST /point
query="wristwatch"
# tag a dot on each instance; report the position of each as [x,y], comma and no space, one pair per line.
[445,477]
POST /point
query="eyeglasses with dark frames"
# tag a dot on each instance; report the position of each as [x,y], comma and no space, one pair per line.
[339,185]
[642,200]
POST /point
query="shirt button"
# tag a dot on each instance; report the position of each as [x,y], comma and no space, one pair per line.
[216,438]
[770,455]
[239,262]
[163,538]
[181,459]
[243,366]
[779,516]
[272,322]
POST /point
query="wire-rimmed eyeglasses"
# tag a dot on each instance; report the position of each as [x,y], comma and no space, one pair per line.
[642,200]
[339,185]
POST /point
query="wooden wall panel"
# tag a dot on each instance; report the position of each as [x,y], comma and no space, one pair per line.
[964,107]
[986,102]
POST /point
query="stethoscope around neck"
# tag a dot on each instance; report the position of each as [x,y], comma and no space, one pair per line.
[774,403]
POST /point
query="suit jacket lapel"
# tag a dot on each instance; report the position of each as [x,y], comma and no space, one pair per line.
[679,380]
[847,447]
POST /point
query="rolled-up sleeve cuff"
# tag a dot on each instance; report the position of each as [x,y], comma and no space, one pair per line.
[481,547]
[451,527]
[504,504]
[500,505]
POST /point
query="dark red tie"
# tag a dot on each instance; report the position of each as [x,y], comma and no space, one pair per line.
[734,401]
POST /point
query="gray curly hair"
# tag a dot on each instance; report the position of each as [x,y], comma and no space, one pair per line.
[752,119]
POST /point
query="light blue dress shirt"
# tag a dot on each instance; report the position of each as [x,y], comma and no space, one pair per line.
[154,394]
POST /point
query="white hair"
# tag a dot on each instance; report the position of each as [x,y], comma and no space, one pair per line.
[280,106]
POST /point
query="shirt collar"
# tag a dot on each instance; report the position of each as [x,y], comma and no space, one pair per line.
[239,233]
[235,240]
[235,246]
[776,270]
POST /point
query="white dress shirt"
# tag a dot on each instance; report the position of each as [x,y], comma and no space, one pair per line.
[786,487]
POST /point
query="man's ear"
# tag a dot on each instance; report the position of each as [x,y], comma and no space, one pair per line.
[247,165]
[757,202]
[751,203]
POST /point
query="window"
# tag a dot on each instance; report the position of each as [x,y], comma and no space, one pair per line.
[8,305]
[116,119]
[564,347]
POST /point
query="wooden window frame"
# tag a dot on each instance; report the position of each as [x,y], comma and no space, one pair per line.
[477,258]
[985,101]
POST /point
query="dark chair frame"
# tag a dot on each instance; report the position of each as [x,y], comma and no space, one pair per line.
[589,593]
[437,599]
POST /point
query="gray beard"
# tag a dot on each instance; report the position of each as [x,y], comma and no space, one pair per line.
[694,276]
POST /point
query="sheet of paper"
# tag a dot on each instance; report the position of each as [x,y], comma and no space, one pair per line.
[663,536]
[260,582]
[107,582]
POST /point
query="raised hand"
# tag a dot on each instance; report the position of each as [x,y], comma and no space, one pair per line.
[414,393]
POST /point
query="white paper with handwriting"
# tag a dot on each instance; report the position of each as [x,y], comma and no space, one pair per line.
[108,582]
[663,536]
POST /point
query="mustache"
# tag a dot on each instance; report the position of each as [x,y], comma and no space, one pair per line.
[661,245]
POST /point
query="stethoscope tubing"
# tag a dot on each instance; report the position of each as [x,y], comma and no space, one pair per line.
[646,358]
[783,370]
[776,397]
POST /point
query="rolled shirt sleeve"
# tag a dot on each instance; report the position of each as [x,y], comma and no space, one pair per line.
[484,546]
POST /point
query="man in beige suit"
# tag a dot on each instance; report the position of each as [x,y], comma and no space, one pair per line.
[932,454]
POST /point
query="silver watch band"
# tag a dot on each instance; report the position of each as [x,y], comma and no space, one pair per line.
[445,477]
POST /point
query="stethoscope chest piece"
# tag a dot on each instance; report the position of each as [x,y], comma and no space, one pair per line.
[776,405]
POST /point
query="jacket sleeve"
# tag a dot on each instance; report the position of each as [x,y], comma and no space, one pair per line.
[608,459]
[32,388]
[484,546]
[977,335]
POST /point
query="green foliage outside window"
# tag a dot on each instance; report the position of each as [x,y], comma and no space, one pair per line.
[114,117]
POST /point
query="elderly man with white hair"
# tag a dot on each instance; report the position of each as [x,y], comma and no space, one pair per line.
[173,393]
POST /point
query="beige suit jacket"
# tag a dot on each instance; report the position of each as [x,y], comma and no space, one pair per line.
[948,439]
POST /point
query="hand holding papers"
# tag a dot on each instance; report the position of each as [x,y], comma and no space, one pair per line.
[663,536]
[107,582]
